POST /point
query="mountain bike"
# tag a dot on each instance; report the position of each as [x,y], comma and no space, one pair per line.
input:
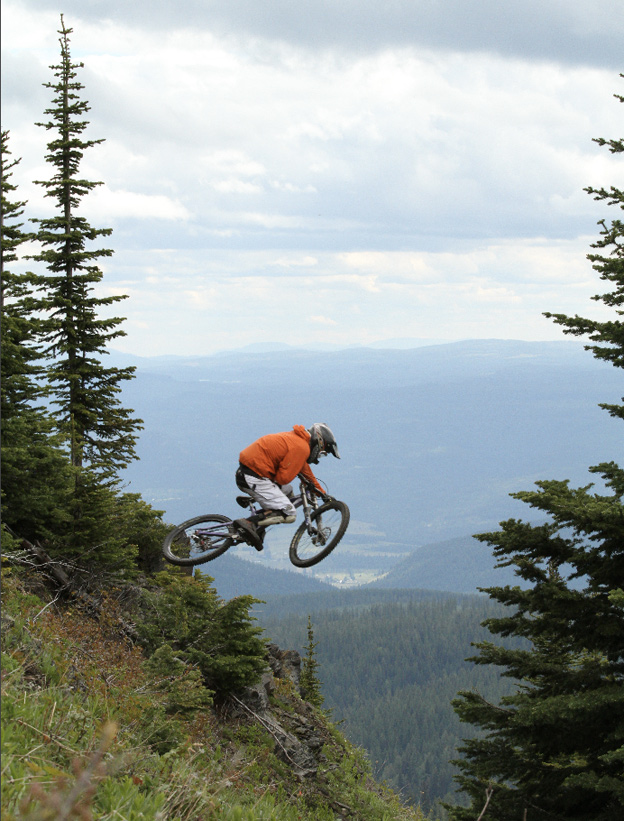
[203,538]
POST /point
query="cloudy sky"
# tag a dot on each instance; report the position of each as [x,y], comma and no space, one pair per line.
[332,171]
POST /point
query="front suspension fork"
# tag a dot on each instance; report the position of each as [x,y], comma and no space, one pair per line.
[308,508]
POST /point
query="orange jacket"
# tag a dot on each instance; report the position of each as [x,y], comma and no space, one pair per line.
[280,456]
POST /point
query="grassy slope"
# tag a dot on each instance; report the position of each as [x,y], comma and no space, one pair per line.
[86,733]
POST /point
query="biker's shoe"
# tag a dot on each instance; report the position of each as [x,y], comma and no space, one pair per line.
[249,532]
[275,517]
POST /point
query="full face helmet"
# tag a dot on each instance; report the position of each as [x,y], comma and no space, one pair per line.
[322,442]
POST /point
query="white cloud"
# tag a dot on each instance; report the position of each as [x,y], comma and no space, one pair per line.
[323,320]
[295,262]
[104,204]
[414,187]
[233,162]
[570,32]
[236,187]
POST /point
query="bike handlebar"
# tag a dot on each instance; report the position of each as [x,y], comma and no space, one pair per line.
[309,485]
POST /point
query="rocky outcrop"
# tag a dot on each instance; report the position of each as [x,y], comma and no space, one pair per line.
[298,737]
[285,664]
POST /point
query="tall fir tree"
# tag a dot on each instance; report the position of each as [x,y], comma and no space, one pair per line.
[34,478]
[309,681]
[555,748]
[100,433]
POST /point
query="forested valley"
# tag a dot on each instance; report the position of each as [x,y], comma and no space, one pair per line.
[390,669]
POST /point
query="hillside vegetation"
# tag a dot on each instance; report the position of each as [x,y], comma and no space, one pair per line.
[94,727]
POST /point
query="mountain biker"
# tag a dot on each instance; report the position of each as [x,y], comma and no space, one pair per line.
[270,464]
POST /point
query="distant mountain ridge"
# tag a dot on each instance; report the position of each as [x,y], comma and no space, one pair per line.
[454,566]
[462,565]
[398,343]
[421,356]
[234,576]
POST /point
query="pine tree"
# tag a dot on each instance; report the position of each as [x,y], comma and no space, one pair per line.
[555,748]
[33,475]
[60,471]
[607,336]
[309,681]
[101,434]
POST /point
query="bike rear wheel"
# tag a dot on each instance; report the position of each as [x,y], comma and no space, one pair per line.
[198,540]
[313,543]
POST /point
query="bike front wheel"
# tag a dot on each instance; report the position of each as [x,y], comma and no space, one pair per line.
[312,543]
[198,540]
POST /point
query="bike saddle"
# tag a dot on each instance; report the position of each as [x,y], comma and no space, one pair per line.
[244,501]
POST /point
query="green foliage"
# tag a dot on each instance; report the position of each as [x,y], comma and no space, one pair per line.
[20,330]
[352,780]
[90,535]
[182,683]
[34,476]
[112,531]
[95,532]
[142,530]
[554,749]
[309,681]
[217,637]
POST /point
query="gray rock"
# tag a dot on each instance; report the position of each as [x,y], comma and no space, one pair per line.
[289,749]
[285,664]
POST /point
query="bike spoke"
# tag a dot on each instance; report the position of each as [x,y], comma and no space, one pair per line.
[316,538]
[319,534]
[198,540]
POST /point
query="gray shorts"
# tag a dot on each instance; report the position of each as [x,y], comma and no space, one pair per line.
[269,495]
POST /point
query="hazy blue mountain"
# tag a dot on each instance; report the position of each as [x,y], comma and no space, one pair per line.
[406,342]
[433,439]
[444,568]
[234,576]
[461,565]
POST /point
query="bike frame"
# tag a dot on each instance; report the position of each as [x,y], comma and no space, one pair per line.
[307,498]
